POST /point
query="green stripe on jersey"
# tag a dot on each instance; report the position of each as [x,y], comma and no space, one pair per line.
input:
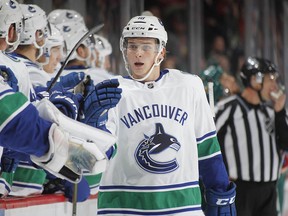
[149,200]
[30,175]
[208,147]
[93,179]
[9,104]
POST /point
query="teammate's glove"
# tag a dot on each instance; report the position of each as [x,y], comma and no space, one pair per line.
[9,77]
[70,80]
[66,102]
[41,92]
[104,96]
[68,156]
[221,203]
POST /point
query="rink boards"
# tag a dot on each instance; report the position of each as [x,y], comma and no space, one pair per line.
[46,205]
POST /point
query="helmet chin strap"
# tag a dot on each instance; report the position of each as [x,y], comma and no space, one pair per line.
[12,45]
[39,48]
[87,60]
[149,72]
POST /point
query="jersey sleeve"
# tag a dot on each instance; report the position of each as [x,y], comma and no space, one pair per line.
[21,128]
[212,170]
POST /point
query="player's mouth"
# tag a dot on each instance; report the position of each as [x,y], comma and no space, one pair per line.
[138,64]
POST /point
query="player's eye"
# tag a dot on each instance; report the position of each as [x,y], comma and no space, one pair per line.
[132,47]
[147,48]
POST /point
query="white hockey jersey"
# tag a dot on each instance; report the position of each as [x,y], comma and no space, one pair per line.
[26,179]
[37,75]
[164,128]
[20,71]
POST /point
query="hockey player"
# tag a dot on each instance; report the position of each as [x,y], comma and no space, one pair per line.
[32,42]
[48,142]
[166,136]
[72,27]
[103,51]
[54,51]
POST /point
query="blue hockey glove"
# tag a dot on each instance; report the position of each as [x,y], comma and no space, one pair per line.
[41,92]
[221,203]
[66,102]
[9,77]
[104,96]
[70,80]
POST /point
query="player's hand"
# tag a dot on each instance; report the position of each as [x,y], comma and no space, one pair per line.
[104,96]
[221,203]
[67,103]
[70,80]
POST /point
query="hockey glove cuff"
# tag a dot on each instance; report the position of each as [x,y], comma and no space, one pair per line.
[221,203]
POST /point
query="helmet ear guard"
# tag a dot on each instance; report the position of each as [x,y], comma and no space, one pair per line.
[10,13]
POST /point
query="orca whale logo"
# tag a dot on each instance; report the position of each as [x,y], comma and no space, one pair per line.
[31,9]
[157,153]
[66,29]
[69,15]
[12,4]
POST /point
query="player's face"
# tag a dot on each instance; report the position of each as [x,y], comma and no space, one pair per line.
[54,59]
[107,63]
[141,54]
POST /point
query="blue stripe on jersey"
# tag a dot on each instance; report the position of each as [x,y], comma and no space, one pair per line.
[6,186]
[25,185]
[149,187]
[127,212]
[6,92]
[212,133]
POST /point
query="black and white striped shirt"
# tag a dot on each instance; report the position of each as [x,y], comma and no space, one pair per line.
[247,137]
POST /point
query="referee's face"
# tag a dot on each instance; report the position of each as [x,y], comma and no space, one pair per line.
[269,85]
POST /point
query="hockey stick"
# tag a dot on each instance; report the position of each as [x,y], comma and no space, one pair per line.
[74,199]
[91,32]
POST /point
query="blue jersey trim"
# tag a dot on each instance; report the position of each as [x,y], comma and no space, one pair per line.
[149,187]
[127,212]
[205,136]
[5,92]
[27,186]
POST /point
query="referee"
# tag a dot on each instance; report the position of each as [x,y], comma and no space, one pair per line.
[252,132]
